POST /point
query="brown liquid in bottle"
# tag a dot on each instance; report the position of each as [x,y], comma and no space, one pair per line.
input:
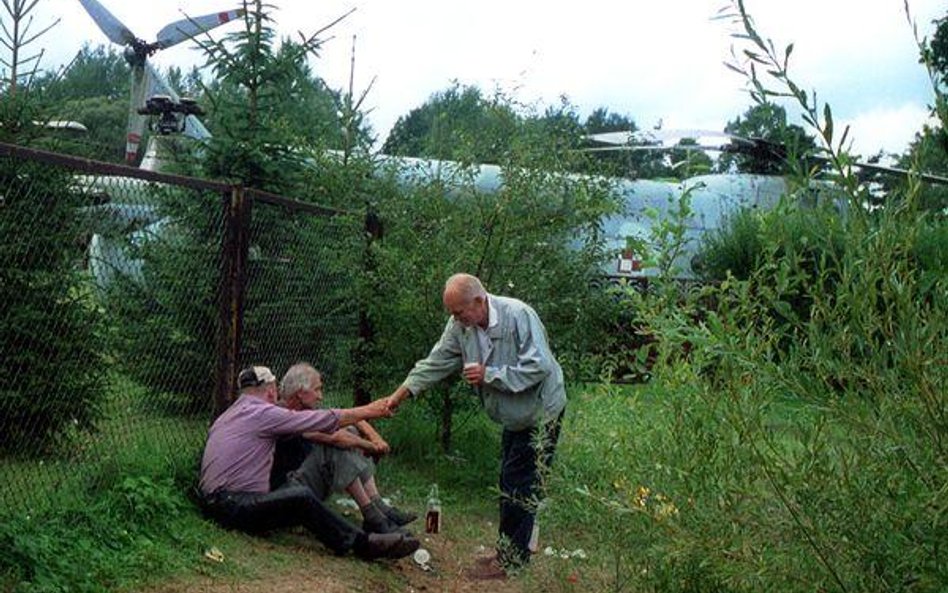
[433,514]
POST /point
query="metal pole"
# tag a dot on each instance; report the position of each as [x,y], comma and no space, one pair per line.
[234,247]
[373,232]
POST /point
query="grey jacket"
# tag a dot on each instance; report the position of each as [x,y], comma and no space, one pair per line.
[523,383]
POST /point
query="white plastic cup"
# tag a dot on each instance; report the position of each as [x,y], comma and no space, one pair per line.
[421,557]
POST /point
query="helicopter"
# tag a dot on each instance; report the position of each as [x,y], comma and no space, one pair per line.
[126,214]
[629,234]
[713,198]
[645,201]
[645,204]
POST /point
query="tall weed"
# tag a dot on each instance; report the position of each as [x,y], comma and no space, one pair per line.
[795,438]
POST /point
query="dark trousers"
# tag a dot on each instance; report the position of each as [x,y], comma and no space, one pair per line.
[290,505]
[520,484]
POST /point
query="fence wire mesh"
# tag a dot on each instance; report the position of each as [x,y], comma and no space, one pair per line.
[113,294]
[300,303]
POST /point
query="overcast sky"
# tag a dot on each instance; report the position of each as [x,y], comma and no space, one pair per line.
[659,62]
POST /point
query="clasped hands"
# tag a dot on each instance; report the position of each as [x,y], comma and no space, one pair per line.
[473,374]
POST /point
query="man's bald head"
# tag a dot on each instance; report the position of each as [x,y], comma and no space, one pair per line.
[464,286]
[466,299]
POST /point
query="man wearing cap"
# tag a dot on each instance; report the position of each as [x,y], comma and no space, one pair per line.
[235,470]
[500,346]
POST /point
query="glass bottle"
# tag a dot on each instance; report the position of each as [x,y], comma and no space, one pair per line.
[433,514]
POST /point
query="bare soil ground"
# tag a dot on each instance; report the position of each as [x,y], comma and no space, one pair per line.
[315,569]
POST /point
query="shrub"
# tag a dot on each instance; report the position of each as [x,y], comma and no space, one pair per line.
[534,239]
[801,437]
[119,536]
[930,253]
[734,248]
[166,312]
[53,336]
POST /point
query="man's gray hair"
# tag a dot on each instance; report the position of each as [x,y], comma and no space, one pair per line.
[466,286]
[300,376]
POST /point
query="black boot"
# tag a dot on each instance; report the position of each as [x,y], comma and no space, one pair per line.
[400,517]
[375,521]
[395,515]
[384,545]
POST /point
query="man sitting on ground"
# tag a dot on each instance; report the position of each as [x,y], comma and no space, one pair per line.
[235,470]
[336,462]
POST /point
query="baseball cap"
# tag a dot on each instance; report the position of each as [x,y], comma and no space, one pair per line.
[254,376]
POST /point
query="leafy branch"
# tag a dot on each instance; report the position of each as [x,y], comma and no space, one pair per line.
[936,74]
[767,70]
[15,37]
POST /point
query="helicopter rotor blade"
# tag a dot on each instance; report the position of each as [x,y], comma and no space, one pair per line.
[663,137]
[614,138]
[194,128]
[656,148]
[928,177]
[106,21]
[896,171]
[190,27]
[762,146]
[157,85]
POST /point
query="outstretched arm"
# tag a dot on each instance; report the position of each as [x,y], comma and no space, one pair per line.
[380,408]
[397,397]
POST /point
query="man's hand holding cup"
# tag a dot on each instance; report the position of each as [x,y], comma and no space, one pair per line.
[473,373]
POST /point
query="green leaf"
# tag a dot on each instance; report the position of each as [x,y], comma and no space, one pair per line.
[784,309]
[828,123]
[730,66]
[842,140]
[753,56]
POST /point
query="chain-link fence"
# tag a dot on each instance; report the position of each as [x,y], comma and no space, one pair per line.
[130,299]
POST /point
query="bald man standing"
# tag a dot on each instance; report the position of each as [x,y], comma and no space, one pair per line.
[500,346]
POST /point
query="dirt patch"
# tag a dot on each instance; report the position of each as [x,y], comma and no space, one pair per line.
[449,562]
[278,583]
[315,569]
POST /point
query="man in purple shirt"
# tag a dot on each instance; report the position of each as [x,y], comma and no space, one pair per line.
[235,470]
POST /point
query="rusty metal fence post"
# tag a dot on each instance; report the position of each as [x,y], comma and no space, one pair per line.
[234,250]
[373,232]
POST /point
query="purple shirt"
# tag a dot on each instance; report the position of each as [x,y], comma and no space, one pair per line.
[239,451]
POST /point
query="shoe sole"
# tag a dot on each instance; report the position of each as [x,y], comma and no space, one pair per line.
[394,549]
[403,548]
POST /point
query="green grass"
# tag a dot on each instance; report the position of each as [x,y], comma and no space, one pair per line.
[118,516]
[663,489]
[113,512]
